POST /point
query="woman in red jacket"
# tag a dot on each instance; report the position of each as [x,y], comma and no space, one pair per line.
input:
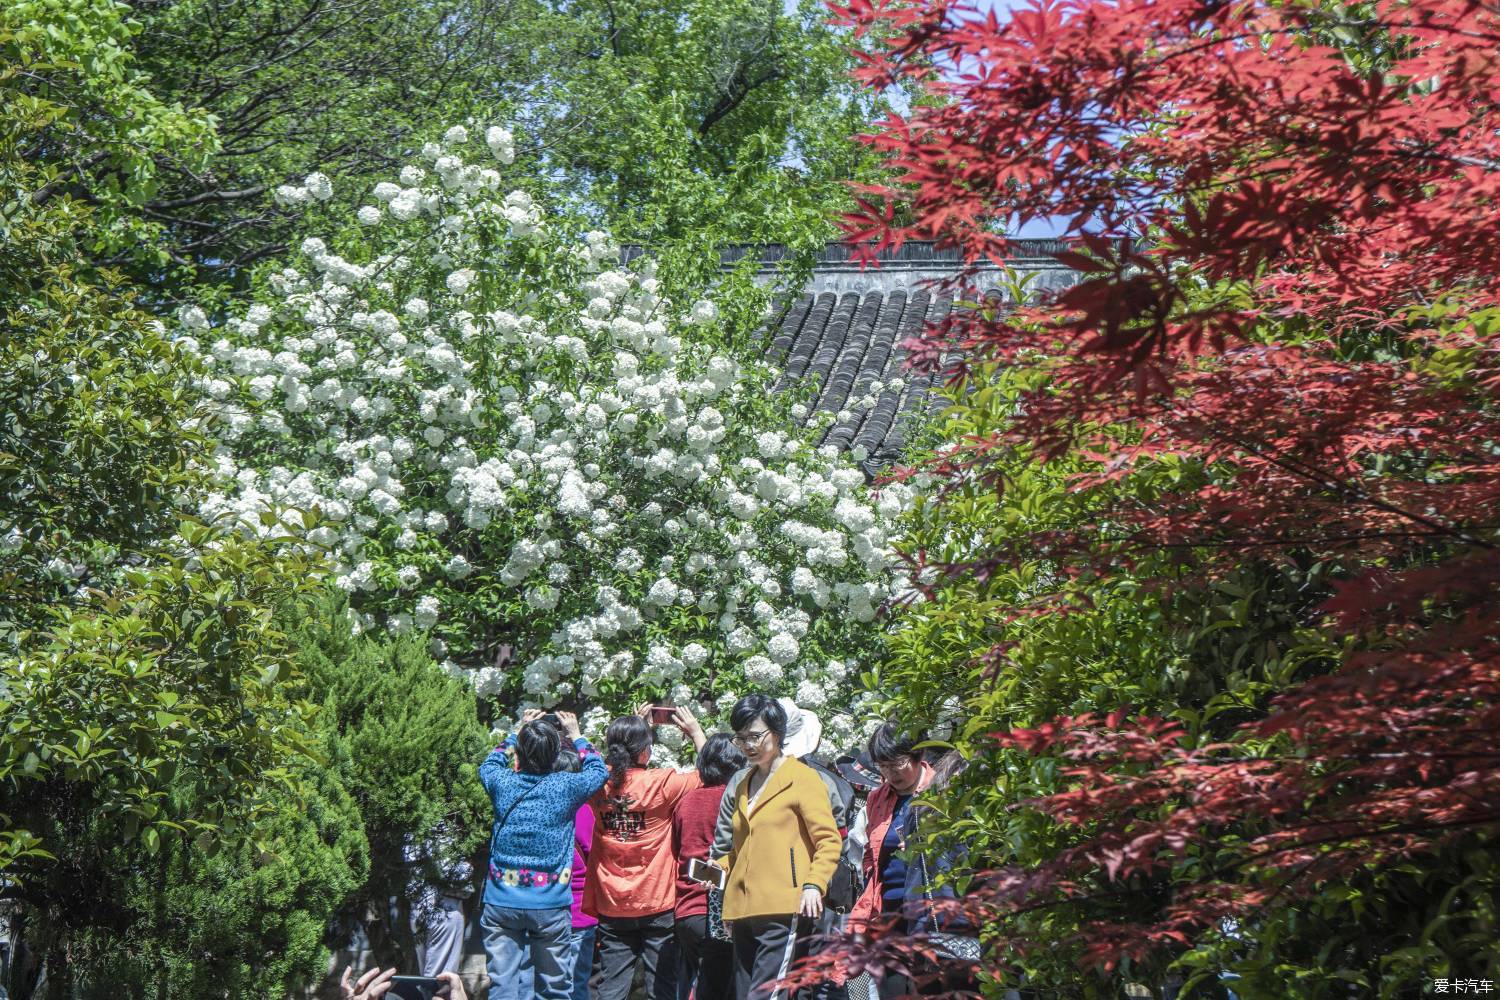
[704,964]
[904,774]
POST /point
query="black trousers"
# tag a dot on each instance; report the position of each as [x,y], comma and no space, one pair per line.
[623,941]
[763,951]
[812,939]
[930,981]
[927,980]
[705,966]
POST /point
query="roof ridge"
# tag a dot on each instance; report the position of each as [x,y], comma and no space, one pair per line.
[839,252]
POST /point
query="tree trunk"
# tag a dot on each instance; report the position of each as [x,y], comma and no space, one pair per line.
[59,972]
[25,969]
[391,940]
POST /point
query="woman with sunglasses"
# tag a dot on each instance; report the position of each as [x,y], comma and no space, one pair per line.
[904,774]
[780,851]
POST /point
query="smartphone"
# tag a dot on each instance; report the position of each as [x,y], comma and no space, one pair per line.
[701,871]
[414,987]
[662,715]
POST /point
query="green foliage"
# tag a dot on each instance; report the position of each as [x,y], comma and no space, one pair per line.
[135,643]
[141,677]
[97,439]
[164,684]
[407,741]
[726,121]
[250,920]
[727,117]
[142,680]
[80,114]
[299,86]
[1385,933]
[98,442]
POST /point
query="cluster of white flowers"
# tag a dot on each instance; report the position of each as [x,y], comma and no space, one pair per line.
[549,456]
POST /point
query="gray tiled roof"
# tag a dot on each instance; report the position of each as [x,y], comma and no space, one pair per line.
[844,329]
[843,343]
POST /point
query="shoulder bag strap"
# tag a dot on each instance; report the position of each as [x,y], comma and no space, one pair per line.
[500,823]
[927,889]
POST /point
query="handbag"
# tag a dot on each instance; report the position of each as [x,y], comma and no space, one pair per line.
[716,928]
[844,887]
[960,947]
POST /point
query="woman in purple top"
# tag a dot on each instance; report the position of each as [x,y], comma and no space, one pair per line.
[583,924]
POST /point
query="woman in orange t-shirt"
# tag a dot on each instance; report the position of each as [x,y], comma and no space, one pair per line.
[632,881]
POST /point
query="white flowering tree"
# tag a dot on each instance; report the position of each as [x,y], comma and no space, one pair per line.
[508,440]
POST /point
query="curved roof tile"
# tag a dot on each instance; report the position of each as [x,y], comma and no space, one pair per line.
[843,330]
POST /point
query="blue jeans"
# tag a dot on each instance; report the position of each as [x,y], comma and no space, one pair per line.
[583,961]
[514,939]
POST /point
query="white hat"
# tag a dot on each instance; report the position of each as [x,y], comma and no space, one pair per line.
[804,730]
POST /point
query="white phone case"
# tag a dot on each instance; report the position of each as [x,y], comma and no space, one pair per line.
[702,871]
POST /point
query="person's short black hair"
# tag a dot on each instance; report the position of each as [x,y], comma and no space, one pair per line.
[567,759]
[889,744]
[537,746]
[718,760]
[763,707]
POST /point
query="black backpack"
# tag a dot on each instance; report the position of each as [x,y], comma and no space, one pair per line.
[847,882]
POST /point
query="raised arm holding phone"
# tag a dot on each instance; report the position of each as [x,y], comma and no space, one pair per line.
[527,917]
[632,872]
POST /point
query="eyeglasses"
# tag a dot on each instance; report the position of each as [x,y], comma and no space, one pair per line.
[893,766]
[753,740]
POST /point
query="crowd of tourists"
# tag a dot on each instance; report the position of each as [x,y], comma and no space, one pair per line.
[710,883]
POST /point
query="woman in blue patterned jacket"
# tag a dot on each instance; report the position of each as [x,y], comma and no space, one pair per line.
[527,918]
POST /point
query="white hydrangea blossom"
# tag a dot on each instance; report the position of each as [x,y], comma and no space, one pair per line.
[552,458]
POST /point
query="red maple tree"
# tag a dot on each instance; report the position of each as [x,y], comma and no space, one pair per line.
[1306,305]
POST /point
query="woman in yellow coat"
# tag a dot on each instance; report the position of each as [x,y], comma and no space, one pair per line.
[780,849]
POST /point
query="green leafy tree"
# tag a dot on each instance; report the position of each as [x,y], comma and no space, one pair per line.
[82,120]
[722,122]
[662,121]
[732,118]
[249,920]
[348,89]
[141,678]
[408,741]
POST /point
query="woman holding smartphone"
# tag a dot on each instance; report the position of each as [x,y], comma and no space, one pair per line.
[704,963]
[527,916]
[777,839]
[632,880]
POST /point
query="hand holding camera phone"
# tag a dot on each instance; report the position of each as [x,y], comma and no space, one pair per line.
[674,715]
[566,722]
[377,984]
[710,875]
[414,987]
